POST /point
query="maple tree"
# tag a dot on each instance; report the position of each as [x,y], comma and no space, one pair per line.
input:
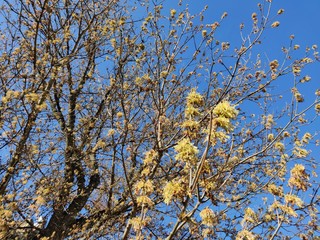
[125,120]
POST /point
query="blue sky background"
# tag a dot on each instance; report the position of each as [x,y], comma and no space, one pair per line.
[300,18]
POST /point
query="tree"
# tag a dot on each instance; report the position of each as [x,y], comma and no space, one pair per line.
[121,121]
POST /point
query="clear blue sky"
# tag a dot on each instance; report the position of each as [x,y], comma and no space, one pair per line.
[300,18]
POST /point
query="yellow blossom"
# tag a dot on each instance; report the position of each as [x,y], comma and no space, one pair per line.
[40,200]
[225,45]
[9,95]
[306,138]
[296,47]
[285,209]
[172,189]
[288,210]
[274,65]
[275,24]
[249,216]
[111,132]
[173,12]
[298,96]
[300,152]
[280,11]
[214,25]
[254,16]
[299,177]
[191,124]
[225,109]
[245,235]
[306,60]
[144,200]
[12,94]
[138,81]
[204,33]
[144,186]
[296,69]
[32,97]
[269,121]
[224,123]
[268,217]
[164,74]
[195,98]
[100,144]
[119,114]
[41,106]
[113,42]
[298,143]
[306,79]
[270,137]
[138,223]
[218,135]
[279,146]
[207,216]
[206,232]
[186,151]
[150,157]
[191,111]
[275,190]
[293,199]
[191,128]
[286,134]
